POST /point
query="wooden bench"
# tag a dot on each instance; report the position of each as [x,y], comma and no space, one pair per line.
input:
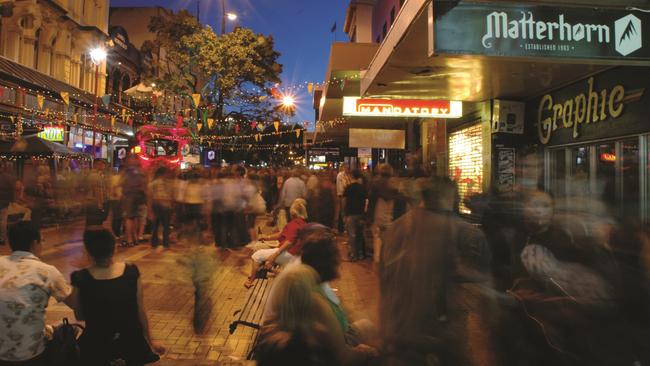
[250,315]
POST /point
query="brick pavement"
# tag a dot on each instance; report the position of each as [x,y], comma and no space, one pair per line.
[168,296]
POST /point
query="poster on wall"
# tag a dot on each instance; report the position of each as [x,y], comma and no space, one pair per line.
[505,170]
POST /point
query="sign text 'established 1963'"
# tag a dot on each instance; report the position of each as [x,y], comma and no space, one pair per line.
[353,106]
[540,31]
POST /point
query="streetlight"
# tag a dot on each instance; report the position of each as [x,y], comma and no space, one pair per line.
[288,101]
[230,16]
[97,56]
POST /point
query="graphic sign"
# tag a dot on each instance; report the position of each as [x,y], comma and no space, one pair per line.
[52,133]
[354,106]
[540,31]
[611,104]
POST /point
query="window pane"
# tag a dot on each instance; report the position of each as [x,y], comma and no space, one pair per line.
[579,180]
[630,197]
[606,173]
[558,176]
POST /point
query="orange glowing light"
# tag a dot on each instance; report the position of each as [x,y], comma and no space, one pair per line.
[608,157]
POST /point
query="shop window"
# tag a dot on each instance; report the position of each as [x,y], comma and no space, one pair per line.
[579,183]
[606,172]
[466,163]
[558,173]
[629,191]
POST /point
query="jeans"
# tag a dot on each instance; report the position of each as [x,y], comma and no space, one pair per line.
[162,217]
[4,212]
[354,226]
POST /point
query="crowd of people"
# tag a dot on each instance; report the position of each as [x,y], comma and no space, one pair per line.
[531,280]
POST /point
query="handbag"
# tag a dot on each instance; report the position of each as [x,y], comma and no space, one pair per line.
[63,349]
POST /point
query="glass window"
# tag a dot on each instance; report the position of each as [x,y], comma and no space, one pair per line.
[606,172]
[558,174]
[579,181]
[630,179]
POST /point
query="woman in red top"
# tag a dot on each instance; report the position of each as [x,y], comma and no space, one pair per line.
[288,249]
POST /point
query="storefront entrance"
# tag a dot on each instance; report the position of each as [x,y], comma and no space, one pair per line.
[613,172]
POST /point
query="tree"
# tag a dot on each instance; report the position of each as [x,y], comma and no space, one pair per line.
[234,72]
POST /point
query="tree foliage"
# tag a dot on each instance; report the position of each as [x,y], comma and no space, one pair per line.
[234,72]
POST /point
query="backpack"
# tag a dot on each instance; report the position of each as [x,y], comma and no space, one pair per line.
[63,349]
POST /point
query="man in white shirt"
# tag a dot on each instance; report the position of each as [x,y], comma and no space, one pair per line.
[26,285]
[343,180]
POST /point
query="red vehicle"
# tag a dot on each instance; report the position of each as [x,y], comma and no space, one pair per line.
[161,145]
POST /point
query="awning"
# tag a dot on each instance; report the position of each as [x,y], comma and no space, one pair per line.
[10,70]
[36,146]
[406,67]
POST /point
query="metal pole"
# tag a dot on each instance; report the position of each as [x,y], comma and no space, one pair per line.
[198,10]
[223,17]
[96,106]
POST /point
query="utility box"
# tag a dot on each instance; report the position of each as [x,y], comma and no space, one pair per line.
[508,117]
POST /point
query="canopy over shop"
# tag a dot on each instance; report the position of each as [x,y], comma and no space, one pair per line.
[28,153]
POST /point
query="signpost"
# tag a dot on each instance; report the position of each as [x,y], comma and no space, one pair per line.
[539,31]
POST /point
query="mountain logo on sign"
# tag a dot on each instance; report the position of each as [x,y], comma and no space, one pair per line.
[628,35]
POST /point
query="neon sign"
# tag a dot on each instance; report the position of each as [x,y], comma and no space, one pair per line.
[354,106]
[52,133]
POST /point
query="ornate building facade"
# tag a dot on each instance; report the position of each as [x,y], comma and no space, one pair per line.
[55,38]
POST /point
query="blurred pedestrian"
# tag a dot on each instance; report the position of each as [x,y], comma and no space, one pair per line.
[98,195]
[115,198]
[292,189]
[354,199]
[161,193]
[133,191]
[342,182]
[7,194]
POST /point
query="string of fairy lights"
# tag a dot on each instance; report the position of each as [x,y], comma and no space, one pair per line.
[77,114]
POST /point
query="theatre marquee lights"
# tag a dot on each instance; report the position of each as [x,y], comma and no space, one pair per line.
[370,107]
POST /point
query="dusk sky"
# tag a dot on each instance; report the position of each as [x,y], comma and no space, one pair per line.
[301,29]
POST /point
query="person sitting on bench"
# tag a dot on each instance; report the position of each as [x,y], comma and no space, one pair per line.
[288,249]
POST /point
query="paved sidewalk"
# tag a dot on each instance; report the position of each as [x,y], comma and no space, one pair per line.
[168,295]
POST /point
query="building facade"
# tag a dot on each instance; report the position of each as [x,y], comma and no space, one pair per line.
[55,38]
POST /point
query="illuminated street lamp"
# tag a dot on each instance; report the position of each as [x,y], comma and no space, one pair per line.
[231,16]
[288,101]
[97,56]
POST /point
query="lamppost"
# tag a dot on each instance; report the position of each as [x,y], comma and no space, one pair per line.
[230,16]
[97,55]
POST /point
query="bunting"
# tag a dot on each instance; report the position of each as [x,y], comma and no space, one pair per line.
[65,96]
[40,100]
[196,98]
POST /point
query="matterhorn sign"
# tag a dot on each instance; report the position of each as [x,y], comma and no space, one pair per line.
[540,31]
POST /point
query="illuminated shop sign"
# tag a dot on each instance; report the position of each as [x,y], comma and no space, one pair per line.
[466,162]
[590,107]
[533,30]
[52,133]
[354,106]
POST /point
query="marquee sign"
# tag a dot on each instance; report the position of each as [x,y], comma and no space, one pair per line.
[539,31]
[52,133]
[370,107]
